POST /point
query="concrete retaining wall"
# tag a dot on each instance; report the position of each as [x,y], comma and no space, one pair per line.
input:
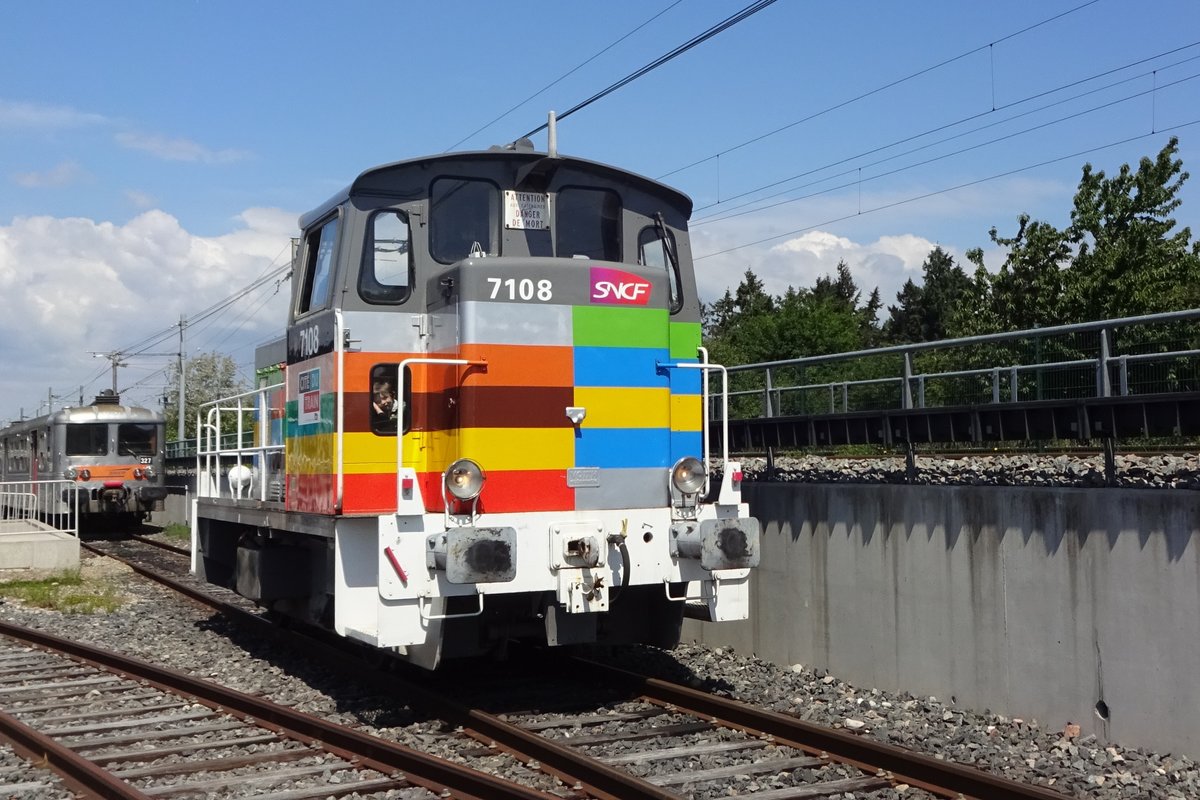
[1078,605]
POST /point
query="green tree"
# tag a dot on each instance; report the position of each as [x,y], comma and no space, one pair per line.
[1131,260]
[1027,292]
[923,312]
[210,376]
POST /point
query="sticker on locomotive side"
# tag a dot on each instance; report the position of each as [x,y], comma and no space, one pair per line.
[309,389]
[618,287]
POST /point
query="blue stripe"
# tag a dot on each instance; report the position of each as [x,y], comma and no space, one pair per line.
[620,366]
[623,448]
[686,443]
[687,381]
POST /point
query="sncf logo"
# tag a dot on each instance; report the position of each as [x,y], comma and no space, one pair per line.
[618,287]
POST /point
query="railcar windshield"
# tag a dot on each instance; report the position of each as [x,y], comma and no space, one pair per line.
[87,439]
[137,439]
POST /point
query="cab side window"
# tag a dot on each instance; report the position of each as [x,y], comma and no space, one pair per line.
[387,270]
[388,411]
[464,219]
[587,223]
[653,252]
[318,267]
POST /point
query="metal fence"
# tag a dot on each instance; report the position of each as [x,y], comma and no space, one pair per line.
[1156,353]
[35,506]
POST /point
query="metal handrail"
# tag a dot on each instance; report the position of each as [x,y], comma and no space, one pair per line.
[772,392]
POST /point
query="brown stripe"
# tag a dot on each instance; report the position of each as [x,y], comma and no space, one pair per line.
[475,407]
[515,406]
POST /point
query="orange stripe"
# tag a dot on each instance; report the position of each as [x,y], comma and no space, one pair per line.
[521,365]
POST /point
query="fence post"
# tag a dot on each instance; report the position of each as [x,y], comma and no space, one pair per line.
[995,384]
[1124,361]
[906,394]
[846,397]
[1012,381]
[832,400]
[921,391]
[767,395]
[1103,383]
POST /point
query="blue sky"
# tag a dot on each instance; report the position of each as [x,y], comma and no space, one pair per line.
[154,156]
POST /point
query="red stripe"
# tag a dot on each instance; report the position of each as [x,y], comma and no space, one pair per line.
[504,492]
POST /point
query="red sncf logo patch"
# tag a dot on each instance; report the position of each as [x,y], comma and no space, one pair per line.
[617,287]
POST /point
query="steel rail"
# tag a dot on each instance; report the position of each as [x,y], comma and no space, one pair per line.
[571,766]
[76,771]
[437,775]
[946,778]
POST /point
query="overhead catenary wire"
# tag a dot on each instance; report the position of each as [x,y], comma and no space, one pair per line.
[723,25]
[878,89]
[946,126]
[946,190]
[734,212]
[562,77]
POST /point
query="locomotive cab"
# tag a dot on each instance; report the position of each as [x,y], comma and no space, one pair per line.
[494,401]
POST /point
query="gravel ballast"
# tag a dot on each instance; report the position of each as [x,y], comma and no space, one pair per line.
[156,625]
[1131,471]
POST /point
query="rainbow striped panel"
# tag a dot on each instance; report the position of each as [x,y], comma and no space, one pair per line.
[614,361]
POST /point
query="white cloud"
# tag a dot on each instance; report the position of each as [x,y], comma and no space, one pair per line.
[62,174]
[42,116]
[140,199]
[178,149]
[71,286]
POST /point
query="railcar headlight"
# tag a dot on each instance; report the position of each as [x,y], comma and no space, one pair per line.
[148,472]
[137,473]
[85,475]
[688,475]
[464,479]
[70,473]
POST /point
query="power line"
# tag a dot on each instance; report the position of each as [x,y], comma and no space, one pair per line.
[560,78]
[726,23]
[948,189]
[733,213]
[947,126]
[878,89]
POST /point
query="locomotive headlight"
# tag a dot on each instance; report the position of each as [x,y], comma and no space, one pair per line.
[688,475]
[70,473]
[85,475]
[464,479]
[148,472]
[137,473]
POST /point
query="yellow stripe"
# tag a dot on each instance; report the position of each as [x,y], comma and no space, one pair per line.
[424,451]
[624,407]
[519,448]
[309,455]
[687,412]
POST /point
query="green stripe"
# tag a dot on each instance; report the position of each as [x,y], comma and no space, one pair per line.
[615,326]
[326,425]
[685,338]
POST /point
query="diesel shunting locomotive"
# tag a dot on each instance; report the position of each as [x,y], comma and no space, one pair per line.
[490,422]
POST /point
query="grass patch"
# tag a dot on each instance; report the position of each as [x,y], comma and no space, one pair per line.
[178,532]
[64,591]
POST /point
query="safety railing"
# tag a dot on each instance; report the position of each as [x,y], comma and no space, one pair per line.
[33,506]
[1155,353]
[237,442]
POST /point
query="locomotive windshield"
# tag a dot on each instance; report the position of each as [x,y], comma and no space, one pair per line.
[588,223]
[137,439]
[465,219]
[88,439]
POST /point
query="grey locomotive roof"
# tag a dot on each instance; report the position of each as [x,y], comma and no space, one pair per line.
[363,183]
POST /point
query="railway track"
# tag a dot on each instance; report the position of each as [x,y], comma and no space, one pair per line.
[635,737]
[117,727]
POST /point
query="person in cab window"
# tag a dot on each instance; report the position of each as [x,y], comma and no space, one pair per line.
[383,405]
